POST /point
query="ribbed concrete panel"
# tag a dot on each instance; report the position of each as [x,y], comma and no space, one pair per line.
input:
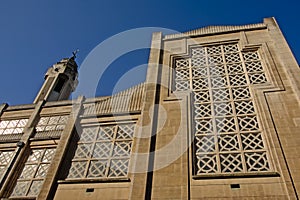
[129,100]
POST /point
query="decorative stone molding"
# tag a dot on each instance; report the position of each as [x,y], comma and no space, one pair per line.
[215,30]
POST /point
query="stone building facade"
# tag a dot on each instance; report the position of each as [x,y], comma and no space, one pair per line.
[217,118]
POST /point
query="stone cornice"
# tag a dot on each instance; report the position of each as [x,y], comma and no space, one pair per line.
[215,30]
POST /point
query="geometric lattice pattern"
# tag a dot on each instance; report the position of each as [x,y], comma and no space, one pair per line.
[227,136]
[53,123]
[34,172]
[5,158]
[12,126]
[103,151]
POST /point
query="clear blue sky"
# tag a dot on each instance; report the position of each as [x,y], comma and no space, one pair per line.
[35,34]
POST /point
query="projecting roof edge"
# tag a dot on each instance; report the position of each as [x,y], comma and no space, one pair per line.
[208,30]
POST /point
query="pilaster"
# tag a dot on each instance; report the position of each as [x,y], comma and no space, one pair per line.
[288,61]
[61,149]
[144,156]
[3,107]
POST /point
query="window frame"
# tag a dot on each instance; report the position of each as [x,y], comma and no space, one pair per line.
[85,176]
[32,178]
[249,85]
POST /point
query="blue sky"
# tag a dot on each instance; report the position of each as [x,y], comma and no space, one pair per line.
[35,34]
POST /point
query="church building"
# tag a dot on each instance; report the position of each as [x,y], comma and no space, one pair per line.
[218,117]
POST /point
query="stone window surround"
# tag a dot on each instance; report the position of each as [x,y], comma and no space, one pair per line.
[40,166]
[104,178]
[209,175]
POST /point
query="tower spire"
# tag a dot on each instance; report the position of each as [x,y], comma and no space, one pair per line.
[60,80]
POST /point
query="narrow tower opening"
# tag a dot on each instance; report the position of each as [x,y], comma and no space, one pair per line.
[59,85]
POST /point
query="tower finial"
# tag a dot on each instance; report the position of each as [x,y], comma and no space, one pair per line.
[74,54]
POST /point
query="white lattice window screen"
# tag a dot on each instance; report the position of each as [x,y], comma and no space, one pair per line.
[103,151]
[12,126]
[5,158]
[52,123]
[34,172]
[227,136]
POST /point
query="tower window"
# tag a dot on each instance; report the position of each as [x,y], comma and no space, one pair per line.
[60,83]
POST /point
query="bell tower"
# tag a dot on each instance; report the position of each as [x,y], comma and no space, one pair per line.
[60,81]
